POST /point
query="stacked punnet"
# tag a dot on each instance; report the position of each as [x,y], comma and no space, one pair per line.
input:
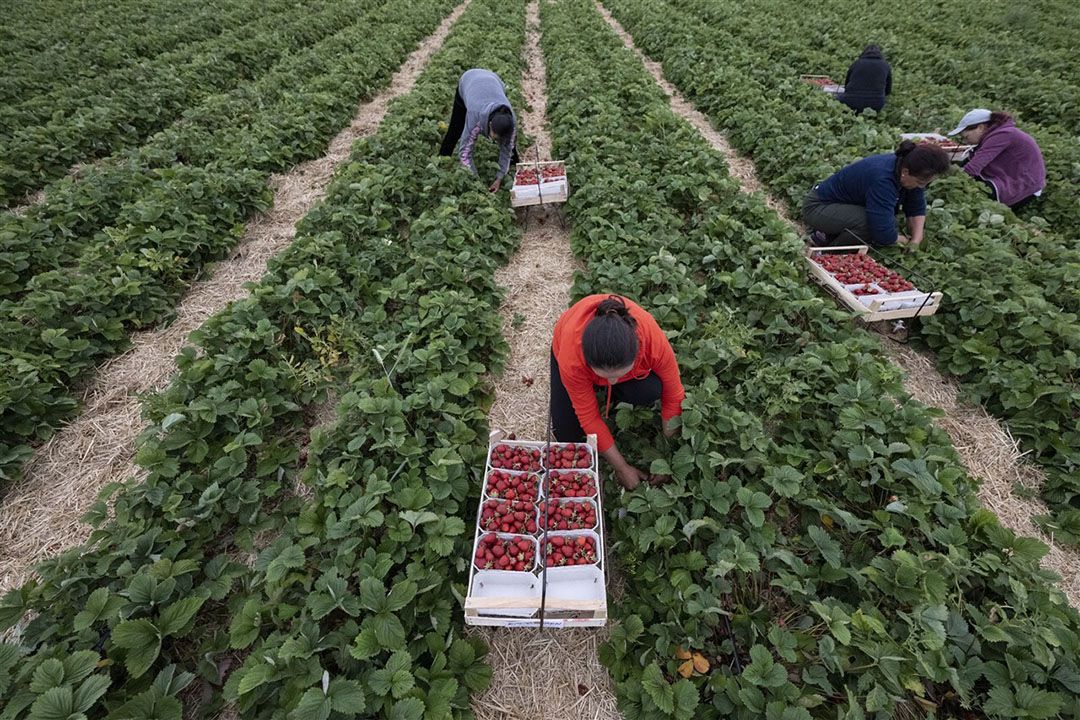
[539,549]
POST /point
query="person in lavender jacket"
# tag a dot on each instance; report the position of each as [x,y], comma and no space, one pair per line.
[1006,158]
[482,108]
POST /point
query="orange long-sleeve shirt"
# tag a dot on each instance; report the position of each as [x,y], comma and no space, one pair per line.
[654,355]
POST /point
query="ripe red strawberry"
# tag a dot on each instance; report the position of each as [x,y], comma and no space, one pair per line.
[570,550]
[567,515]
[570,455]
[513,457]
[505,553]
[571,484]
[508,516]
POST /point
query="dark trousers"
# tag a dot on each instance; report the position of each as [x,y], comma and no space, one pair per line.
[457,126]
[859,103]
[564,421]
[842,224]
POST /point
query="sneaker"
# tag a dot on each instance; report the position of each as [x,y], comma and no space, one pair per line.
[818,239]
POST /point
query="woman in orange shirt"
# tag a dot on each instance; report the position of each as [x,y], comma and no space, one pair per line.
[610,342]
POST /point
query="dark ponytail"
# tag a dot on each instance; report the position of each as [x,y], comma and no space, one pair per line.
[610,339]
[923,160]
[997,118]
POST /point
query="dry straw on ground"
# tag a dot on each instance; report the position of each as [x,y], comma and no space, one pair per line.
[41,516]
[554,674]
[549,674]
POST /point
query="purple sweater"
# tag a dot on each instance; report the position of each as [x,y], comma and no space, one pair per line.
[1009,159]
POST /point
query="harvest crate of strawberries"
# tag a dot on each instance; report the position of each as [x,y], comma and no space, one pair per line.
[538,554]
[957,153]
[538,183]
[824,82]
[868,287]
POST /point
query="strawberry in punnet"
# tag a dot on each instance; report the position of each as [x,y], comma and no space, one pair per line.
[508,516]
[567,515]
[570,455]
[856,269]
[509,457]
[570,550]
[512,486]
[505,553]
[571,484]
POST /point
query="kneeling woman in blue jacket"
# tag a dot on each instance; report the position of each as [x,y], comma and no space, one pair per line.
[858,204]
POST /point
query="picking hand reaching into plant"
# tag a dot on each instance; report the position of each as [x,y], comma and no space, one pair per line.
[611,343]
[481,109]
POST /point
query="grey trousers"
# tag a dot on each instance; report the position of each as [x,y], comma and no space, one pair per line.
[842,224]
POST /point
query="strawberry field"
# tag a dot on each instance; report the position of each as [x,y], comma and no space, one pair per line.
[820,551]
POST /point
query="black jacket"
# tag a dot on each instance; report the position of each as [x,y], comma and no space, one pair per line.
[869,78]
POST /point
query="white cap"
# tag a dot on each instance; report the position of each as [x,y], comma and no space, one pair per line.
[974,117]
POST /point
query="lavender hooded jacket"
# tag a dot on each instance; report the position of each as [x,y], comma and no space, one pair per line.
[483,92]
[1010,160]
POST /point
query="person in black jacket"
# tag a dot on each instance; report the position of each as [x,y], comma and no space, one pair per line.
[868,81]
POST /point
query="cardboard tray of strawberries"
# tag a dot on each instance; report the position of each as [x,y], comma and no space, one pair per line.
[824,82]
[538,553]
[539,183]
[957,153]
[866,286]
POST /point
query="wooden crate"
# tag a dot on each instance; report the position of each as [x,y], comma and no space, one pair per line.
[923,304]
[574,596]
[957,153]
[549,193]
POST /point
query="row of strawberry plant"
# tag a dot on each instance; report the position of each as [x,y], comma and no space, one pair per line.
[172,218]
[923,100]
[53,45]
[266,124]
[399,259]
[384,540]
[1014,350]
[1036,78]
[1050,250]
[116,110]
[819,552]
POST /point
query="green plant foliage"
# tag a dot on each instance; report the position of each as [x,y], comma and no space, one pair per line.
[819,544]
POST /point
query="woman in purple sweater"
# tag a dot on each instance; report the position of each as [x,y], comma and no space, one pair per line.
[1006,158]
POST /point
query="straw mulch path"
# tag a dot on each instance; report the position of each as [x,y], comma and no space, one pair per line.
[554,674]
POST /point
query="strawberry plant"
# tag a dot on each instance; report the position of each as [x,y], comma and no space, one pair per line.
[362,564]
[815,513]
[128,237]
[1013,343]
[119,109]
